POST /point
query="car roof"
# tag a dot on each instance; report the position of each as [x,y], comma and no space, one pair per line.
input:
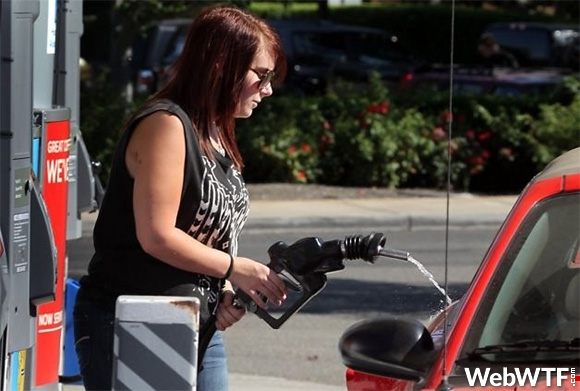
[178,21]
[566,164]
[533,25]
[515,76]
[319,25]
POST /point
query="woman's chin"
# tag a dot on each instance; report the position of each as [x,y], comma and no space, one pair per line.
[245,114]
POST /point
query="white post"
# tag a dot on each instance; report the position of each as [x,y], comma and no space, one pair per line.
[156,340]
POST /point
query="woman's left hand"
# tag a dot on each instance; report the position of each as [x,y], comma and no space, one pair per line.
[227,312]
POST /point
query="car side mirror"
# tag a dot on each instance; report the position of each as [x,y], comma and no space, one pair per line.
[394,347]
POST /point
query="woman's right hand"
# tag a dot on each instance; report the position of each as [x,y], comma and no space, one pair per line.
[257,279]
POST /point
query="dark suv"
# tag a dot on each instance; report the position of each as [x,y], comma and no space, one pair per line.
[317,51]
[539,44]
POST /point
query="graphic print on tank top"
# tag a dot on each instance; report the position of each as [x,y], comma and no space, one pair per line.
[219,219]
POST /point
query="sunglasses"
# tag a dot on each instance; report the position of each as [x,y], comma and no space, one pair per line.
[265,78]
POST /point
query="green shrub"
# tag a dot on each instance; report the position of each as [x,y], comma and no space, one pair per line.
[354,137]
[103,113]
[350,137]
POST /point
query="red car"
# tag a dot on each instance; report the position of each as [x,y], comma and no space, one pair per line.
[518,325]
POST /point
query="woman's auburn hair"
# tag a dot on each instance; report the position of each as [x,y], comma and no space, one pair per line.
[208,77]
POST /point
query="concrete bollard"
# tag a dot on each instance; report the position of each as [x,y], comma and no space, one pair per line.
[156,341]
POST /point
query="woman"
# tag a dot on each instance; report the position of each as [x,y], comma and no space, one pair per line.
[176,202]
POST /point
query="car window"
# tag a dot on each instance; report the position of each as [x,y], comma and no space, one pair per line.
[327,47]
[529,44]
[159,45]
[510,90]
[534,294]
[374,48]
[469,88]
[175,48]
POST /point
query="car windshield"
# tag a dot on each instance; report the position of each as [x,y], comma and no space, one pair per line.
[529,44]
[320,47]
[530,310]
[377,48]
[332,47]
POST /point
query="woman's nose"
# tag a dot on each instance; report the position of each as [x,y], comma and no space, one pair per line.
[267,90]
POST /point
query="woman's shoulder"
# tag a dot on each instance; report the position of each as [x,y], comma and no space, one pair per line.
[160,105]
[161,113]
[160,124]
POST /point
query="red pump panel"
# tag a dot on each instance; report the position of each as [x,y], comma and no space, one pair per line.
[54,192]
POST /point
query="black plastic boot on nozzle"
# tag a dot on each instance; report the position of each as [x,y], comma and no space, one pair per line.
[362,247]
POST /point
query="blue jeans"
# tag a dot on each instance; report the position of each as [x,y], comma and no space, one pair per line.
[213,375]
[94,328]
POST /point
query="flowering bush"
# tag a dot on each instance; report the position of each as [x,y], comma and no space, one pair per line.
[354,137]
[351,138]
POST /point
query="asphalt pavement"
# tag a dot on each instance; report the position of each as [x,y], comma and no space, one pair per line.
[408,212]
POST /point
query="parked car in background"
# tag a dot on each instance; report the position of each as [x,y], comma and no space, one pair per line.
[154,52]
[490,81]
[519,321]
[539,44]
[320,51]
[317,51]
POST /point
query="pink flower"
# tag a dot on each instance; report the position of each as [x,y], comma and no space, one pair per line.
[506,152]
[292,150]
[475,160]
[301,176]
[484,136]
[476,170]
[379,108]
[446,116]
[438,133]
[305,147]
[326,125]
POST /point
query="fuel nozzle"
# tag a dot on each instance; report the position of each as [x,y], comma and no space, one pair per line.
[369,248]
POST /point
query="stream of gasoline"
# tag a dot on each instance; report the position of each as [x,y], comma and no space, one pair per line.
[425,272]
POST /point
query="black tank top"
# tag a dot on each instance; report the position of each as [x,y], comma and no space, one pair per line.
[213,210]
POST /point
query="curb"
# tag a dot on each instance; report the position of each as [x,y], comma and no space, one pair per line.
[390,223]
[400,223]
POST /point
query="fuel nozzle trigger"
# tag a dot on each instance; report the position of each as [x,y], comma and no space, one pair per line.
[290,281]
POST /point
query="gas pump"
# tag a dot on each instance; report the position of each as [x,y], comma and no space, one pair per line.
[81,184]
[46,182]
[16,52]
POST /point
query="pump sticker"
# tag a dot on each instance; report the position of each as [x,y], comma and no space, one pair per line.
[51,28]
[18,376]
[21,177]
[57,161]
[21,220]
[49,322]
[21,370]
